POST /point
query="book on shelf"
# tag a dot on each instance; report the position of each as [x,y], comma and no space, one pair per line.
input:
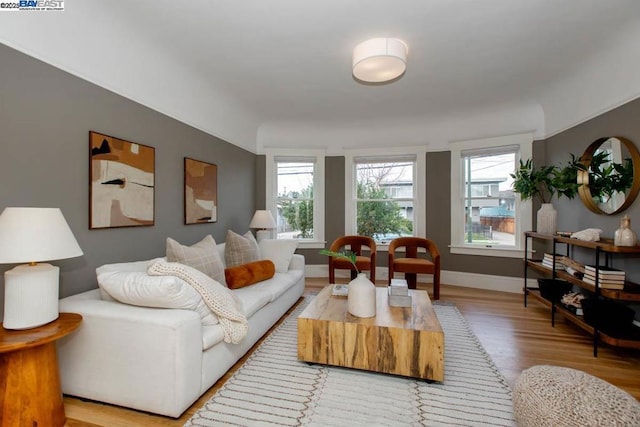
[603,271]
[604,284]
[547,261]
[601,279]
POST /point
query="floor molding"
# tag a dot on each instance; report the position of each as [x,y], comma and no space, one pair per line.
[454,278]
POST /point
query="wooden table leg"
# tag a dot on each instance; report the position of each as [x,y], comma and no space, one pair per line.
[30,392]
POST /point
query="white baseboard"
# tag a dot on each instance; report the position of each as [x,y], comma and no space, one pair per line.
[454,278]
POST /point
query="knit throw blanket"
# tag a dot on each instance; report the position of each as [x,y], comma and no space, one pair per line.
[217,297]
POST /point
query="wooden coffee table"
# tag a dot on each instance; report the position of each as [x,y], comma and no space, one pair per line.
[400,341]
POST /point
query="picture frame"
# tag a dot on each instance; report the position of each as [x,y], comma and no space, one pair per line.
[121,183]
[200,192]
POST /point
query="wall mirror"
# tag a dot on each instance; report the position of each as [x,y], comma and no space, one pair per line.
[610,180]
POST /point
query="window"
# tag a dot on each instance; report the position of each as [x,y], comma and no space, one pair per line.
[295,191]
[382,197]
[487,217]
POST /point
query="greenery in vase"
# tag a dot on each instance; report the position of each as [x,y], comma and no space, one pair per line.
[530,182]
[546,181]
[349,256]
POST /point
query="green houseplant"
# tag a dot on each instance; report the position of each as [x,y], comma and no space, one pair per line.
[545,182]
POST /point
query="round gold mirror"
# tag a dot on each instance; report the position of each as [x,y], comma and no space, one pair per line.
[610,179]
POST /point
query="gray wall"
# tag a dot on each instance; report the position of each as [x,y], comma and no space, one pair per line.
[572,214]
[45,117]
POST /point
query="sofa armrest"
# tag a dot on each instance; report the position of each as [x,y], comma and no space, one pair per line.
[143,358]
[297,262]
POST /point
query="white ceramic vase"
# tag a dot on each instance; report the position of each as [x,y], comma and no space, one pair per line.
[547,219]
[361,297]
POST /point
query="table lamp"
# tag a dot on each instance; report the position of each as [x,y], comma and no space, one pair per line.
[33,235]
[263,221]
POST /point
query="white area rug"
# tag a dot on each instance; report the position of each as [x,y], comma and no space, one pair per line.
[274,388]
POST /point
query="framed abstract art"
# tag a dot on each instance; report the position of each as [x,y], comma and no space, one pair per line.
[121,183]
[200,192]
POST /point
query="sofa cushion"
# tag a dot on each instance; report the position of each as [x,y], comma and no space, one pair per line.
[211,335]
[253,298]
[138,288]
[120,266]
[202,256]
[248,274]
[240,249]
[279,251]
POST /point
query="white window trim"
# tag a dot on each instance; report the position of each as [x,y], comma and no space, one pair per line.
[523,209]
[419,173]
[271,188]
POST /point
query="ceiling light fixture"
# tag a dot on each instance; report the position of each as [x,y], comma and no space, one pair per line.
[379,60]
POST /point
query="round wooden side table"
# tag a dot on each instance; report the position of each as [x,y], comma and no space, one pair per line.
[30,392]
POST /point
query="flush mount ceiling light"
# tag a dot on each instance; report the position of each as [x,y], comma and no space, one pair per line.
[379,60]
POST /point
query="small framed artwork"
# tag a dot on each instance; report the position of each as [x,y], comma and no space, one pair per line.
[200,192]
[121,183]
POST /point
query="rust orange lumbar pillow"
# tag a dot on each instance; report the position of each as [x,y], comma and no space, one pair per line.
[250,273]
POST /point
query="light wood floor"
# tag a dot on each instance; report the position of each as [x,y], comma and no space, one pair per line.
[514,336]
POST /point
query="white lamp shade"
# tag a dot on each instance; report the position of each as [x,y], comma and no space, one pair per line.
[262,219]
[379,60]
[35,235]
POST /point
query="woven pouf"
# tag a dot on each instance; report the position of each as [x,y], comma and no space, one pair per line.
[555,396]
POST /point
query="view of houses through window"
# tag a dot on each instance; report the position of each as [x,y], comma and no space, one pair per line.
[385,198]
[294,199]
[489,201]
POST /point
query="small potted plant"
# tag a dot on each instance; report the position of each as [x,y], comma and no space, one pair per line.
[361,292]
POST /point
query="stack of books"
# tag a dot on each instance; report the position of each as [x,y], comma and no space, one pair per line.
[608,278]
[399,293]
[547,261]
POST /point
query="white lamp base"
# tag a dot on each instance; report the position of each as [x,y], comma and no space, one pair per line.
[30,296]
[263,234]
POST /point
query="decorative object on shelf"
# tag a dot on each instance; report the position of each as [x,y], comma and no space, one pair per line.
[573,302]
[264,222]
[361,292]
[607,177]
[547,219]
[200,192]
[588,234]
[121,183]
[379,60]
[625,236]
[33,235]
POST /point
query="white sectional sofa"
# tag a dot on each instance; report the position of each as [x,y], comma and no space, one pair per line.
[157,359]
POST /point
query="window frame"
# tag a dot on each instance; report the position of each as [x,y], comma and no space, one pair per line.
[523,209]
[419,185]
[273,156]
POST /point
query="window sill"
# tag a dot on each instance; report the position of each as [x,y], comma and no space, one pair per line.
[311,244]
[484,251]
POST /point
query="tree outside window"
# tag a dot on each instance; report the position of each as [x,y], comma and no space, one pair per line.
[384,199]
[295,200]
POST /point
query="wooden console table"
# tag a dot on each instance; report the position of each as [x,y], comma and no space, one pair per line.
[400,341]
[30,393]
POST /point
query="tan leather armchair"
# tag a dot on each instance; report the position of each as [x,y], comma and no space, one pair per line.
[356,245]
[411,264]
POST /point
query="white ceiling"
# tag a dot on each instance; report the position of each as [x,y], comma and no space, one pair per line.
[277,73]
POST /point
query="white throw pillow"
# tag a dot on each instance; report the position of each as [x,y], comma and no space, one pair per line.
[279,252]
[139,288]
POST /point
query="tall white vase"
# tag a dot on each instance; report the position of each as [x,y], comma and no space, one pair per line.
[547,219]
[361,297]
